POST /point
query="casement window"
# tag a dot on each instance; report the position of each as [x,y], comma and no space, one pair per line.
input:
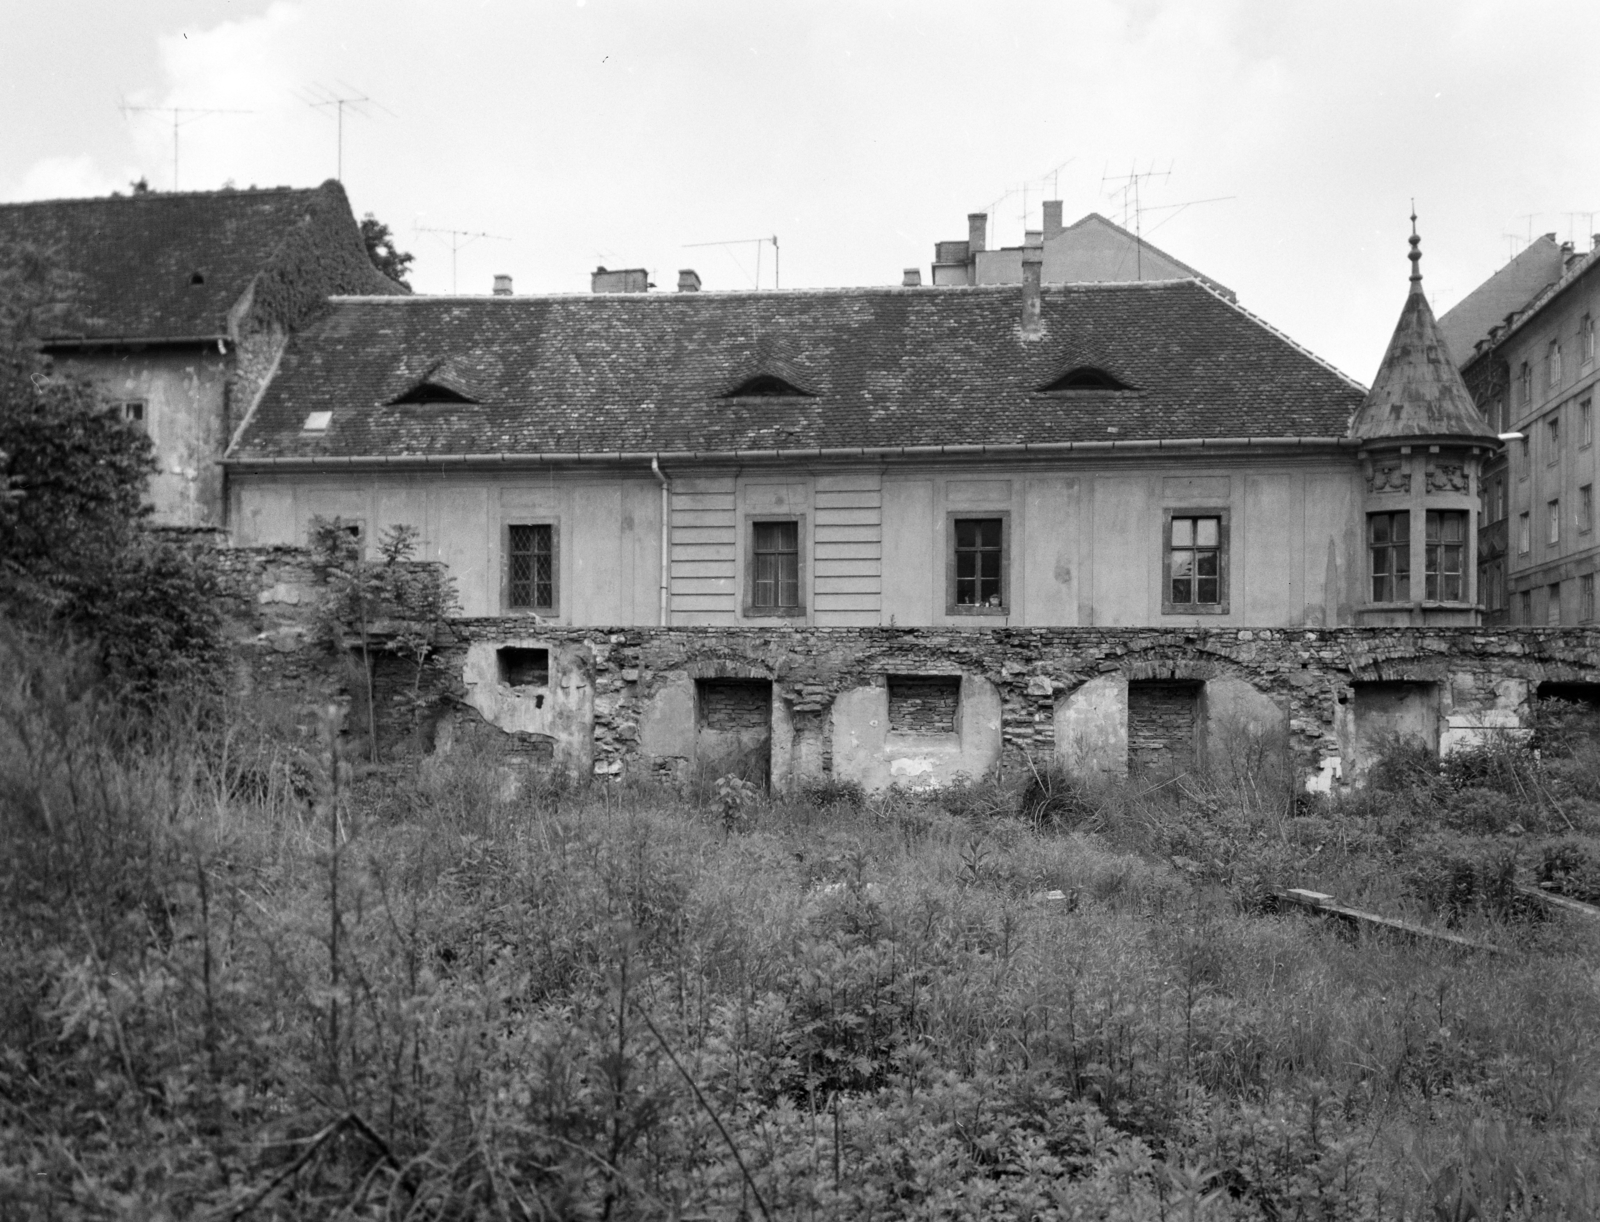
[978,567]
[1446,556]
[1586,423]
[1196,563]
[1524,534]
[774,569]
[1502,507]
[1552,365]
[1552,603]
[1552,438]
[1389,546]
[1586,597]
[1524,456]
[1553,523]
[1525,604]
[1585,509]
[1524,384]
[531,568]
[1586,339]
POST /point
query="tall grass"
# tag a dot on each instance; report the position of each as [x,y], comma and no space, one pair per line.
[241,976]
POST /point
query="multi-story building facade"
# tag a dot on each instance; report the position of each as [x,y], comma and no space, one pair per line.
[1535,377]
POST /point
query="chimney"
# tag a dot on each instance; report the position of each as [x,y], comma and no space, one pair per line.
[502,285]
[1032,273]
[1052,218]
[688,280]
[977,231]
[912,278]
[619,280]
[1033,238]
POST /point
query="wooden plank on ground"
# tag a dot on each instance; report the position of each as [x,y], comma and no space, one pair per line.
[1317,901]
[1558,901]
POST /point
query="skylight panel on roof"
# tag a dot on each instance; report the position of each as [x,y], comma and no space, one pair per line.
[317,422]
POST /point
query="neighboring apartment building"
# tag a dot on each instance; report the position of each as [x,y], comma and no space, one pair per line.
[1092,250]
[1534,374]
[182,305]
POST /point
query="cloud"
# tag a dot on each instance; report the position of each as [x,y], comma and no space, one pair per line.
[65,177]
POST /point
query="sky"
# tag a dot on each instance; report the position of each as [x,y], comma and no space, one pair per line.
[1279,144]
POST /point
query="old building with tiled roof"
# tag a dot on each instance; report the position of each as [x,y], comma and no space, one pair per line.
[182,304]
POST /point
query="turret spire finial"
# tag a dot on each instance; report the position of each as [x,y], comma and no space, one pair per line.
[1416,252]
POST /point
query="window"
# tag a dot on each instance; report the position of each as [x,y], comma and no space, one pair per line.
[1586,338]
[1494,592]
[1552,604]
[1553,513]
[1497,415]
[1552,437]
[1389,541]
[924,704]
[1552,364]
[1446,555]
[1524,447]
[1501,506]
[531,567]
[1586,423]
[1525,385]
[977,567]
[774,568]
[132,410]
[1586,597]
[521,667]
[1197,564]
[1524,534]
[1526,601]
[1586,509]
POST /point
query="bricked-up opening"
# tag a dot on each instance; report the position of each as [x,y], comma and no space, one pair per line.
[1394,713]
[1161,726]
[924,704]
[521,667]
[735,704]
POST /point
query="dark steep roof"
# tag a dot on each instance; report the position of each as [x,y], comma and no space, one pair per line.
[135,258]
[889,367]
[1507,291]
[1418,391]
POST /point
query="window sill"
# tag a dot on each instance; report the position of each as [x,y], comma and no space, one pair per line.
[547,613]
[1421,604]
[774,613]
[965,610]
[1194,608]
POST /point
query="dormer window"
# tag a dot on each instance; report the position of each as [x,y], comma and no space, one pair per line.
[441,382]
[767,386]
[197,277]
[1085,377]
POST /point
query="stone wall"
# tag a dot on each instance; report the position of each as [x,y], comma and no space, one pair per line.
[626,699]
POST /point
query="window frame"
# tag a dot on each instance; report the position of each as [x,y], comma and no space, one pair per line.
[1525,532]
[1586,598]
[1525,606]
[1586,340]
[1224,561]
[951,607]
[553,611]
[1433,551]
[1524,456]
[1552,365]
[1552,440]
[1525,384]
[1553,522]
[748,585]
[1585,423]
[1372,569]
[1552,604]
[1585,509]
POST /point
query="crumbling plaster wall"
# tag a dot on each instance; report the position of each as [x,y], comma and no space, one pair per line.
[1048,690]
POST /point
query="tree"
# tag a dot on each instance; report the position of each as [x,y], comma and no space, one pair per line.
[385,255]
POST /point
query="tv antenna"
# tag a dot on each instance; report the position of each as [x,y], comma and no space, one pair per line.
[758,243]
[1054,175]
[1572,220]
[459,238]
[324,100]
[178,112]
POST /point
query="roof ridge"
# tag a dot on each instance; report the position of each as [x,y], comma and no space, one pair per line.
[1540,299]
[1283,335]
[145,197]
[1093,286]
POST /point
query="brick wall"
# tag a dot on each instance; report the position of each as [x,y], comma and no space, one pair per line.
[924,704]
[735,704]
[1161,726]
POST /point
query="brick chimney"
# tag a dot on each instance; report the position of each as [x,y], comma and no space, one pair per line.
[688,280]
[619,280]
[912,278]
[977,231]
[1052,218]
[1032,275]
[502,285]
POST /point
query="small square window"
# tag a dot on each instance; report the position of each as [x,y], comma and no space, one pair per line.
[531,567]
[978,568]
[1553,533]
[1389,547]
[773,585]
[1586,597]
[133,412]
[1552,603]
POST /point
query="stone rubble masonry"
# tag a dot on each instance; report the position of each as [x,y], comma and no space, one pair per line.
[1482,676]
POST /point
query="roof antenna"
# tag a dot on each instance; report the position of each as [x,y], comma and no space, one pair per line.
[195,115]
[1130,196]
[459,238]
[320,97]
[757,243]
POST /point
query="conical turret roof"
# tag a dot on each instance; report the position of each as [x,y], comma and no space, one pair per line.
[1418,392]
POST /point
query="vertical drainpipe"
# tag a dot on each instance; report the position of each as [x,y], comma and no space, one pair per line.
[666,543]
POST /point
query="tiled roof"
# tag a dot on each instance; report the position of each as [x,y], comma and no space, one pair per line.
[641,373]
[136,258]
